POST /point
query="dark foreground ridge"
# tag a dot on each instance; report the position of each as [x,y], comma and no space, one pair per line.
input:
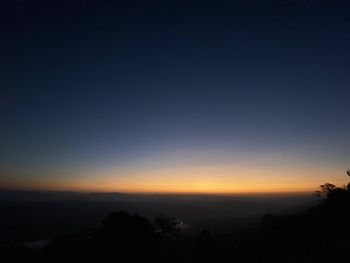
[321,234]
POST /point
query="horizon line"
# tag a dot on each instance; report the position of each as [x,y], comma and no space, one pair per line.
[296,192]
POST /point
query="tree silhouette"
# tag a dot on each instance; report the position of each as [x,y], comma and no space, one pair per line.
[166,226]
[326,189]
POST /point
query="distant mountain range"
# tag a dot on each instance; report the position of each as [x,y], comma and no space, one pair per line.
[31,215]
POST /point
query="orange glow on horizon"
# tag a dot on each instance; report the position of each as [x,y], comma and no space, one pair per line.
[187,180]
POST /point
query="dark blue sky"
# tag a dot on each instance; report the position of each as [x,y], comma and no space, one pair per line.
[95,83]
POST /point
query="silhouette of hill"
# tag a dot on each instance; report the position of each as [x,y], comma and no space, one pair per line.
[318,234]
[30,215]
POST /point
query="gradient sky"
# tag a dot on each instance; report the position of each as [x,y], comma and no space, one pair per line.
[174,96]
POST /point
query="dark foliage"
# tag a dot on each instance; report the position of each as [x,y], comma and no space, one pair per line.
[322,234]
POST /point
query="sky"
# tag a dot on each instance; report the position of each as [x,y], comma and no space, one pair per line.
[174,96]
